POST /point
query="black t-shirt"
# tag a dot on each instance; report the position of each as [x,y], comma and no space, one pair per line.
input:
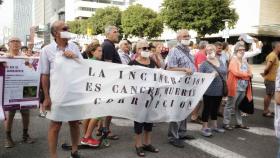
[85,56]
[151,65]
[109,52]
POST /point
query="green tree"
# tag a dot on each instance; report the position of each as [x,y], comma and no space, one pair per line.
[79,26]
[203,16]
[104,17]
[143,22]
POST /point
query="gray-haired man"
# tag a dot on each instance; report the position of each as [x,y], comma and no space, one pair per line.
[180,59]
[110,54]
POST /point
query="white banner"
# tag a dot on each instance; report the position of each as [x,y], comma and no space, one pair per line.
[21,83]
[89,89]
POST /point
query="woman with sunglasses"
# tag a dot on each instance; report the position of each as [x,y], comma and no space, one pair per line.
[238,82]
[143,59]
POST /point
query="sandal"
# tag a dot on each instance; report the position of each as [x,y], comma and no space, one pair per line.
[140,151]
[241,126]
[113,137]
[150,148]
[197,121]
[268,114]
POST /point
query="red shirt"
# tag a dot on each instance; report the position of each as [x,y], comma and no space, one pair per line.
[199,58]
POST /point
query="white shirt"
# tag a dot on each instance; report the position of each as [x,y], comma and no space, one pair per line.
[51,51]
[277,107]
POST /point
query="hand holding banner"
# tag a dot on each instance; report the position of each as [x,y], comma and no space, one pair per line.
[93,89]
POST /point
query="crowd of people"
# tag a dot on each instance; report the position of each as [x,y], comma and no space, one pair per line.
[232,83]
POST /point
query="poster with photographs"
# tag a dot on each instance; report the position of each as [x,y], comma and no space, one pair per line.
[21,83]
[2,69]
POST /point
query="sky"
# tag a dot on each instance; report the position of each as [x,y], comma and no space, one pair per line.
[153,4]
[6,15]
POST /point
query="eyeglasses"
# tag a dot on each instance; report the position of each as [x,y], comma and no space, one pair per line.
[145,48]
[186,36]
[115,31]
[65,28]
[15,41]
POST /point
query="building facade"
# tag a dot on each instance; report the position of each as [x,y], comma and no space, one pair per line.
[83,9]
[45,12]
[22,19]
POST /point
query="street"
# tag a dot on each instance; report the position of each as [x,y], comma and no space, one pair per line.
[257,142]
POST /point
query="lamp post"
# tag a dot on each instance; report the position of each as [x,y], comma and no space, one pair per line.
[226,30]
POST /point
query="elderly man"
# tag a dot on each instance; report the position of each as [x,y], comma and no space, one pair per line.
[14,50]
[110,54]
[59,47]
[124,51]
[180,59]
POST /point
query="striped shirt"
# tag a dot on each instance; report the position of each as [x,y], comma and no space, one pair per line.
[124,57]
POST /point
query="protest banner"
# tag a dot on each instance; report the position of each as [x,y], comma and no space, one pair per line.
[88,89]
[21,83]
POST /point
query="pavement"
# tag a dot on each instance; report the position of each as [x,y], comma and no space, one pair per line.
[257,142]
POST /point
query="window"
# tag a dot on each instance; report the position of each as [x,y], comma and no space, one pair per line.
[87,9]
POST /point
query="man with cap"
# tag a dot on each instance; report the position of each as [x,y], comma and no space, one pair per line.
[14,44]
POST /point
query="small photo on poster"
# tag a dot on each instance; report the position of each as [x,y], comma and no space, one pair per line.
[29,91]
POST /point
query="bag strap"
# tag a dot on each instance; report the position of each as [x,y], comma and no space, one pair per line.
[185,52]
[216,69]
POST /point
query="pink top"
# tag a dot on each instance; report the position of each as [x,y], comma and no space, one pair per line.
[199,58]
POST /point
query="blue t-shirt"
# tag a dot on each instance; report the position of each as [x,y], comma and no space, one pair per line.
[216,87]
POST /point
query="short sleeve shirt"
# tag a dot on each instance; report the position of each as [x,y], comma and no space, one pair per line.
[177,58]
[272,57]
[151,65]
[216,87]
[109,52]
[51,51]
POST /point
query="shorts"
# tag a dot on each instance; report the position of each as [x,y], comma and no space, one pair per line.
[138,127]
[22,111]
[269,87]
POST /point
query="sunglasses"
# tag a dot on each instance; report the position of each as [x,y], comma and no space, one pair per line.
[145,48]
[65,28]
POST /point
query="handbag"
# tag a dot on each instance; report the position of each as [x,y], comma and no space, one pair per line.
[225,89]
[245,105]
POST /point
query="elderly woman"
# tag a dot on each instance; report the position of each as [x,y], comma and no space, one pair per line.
[239,74]
[143,59]
[213,96]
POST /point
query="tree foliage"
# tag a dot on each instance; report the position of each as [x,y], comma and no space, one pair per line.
[104,17]
[203,16]
[79,26]
[143,22]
